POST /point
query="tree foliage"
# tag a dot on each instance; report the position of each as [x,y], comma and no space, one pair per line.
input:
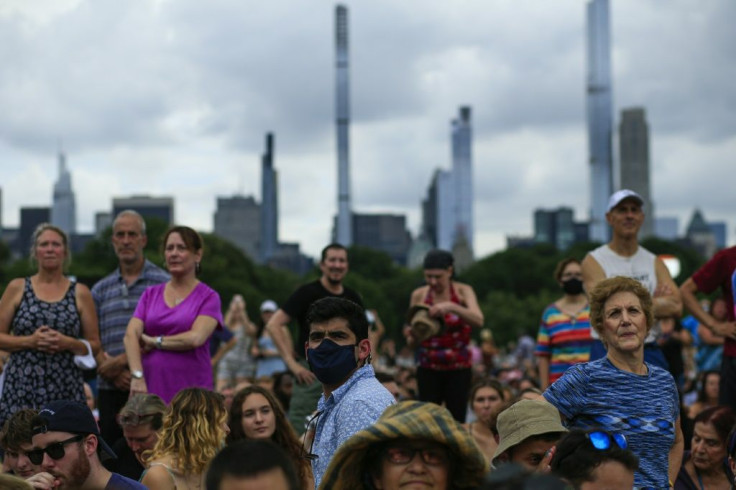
[513,286]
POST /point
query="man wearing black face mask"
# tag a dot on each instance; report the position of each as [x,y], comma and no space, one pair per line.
[338,353]
[334,266]
[564,332]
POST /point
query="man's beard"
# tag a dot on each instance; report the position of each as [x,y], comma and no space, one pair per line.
[78,473]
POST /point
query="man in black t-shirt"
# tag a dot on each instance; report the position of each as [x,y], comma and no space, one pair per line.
[307,390]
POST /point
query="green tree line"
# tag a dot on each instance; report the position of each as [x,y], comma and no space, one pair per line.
[513,286]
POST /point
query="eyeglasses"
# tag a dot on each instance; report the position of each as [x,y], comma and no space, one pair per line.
[133,418]
[55,450]
[433,456]
[603,440]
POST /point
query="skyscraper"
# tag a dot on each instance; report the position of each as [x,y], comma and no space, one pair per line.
[30,218]
[462,172]
[384,232]
[600,124]
[438,211]
[64,209]
[238,219]
[269,204]
[633,142]
[342,114]
[147,206]
[447,211]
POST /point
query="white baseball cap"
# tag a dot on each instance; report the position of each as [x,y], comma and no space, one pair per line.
[619,196]
[269,305]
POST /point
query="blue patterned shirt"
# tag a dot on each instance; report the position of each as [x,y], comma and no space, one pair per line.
[352,407]
[644,408]
[115,302]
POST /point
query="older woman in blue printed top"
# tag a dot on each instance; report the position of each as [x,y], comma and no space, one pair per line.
[621,393]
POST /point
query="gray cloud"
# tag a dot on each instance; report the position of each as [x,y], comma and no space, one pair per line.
[174,98]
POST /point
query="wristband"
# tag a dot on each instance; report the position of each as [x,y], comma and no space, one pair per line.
[160,342]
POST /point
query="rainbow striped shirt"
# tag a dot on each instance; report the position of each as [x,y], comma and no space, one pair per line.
[565,339]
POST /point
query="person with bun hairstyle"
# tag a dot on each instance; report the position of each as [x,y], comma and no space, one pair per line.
[444,371]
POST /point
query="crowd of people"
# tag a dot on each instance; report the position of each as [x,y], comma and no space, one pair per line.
[189,396]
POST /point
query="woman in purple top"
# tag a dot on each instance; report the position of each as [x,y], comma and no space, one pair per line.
[167,340]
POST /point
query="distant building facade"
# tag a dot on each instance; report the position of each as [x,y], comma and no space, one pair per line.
[384,232]
[438,211]
[666,227]
[269,204]
[64,208]
[238,220]
[344,233]
[147,206]
[600,116]
[30,218]
[418,249]
[700,236]
[520,241]
[559,228]
[634,159]
[289,257]
[447,209]
[719,230]
[103,221]
[462,173]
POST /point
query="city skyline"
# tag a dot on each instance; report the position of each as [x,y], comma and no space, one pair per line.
[181,108]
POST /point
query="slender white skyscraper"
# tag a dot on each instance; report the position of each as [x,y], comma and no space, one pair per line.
[344,233]
[600,117]
[64,209]
[462,170]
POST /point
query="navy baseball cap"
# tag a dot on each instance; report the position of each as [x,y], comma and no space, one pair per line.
[70,416]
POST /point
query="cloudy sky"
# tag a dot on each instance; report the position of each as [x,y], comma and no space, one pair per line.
[174,97]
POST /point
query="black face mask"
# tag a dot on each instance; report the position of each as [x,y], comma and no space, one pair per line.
[572,286]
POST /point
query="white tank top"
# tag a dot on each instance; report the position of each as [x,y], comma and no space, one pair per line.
[639,266]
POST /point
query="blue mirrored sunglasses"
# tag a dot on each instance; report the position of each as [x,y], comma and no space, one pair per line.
[602,440]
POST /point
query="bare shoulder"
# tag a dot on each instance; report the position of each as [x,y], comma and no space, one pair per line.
[158,477]
[461,286]
[14,290]
[83,291]
[417,296]
[589,261]
[463,290]
[592,272]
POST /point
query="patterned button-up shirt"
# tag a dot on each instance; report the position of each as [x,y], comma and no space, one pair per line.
[115,302]
[353,406]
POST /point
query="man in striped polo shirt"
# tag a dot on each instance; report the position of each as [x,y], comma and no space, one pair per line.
[116,297]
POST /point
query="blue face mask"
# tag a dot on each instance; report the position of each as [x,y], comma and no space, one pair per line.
[330,362]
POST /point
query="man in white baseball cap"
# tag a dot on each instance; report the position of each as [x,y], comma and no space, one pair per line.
[623,256]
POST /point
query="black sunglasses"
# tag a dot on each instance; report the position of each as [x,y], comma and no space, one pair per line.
[54,450]
[311,426]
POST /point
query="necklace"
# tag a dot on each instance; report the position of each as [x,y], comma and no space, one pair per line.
[179,295]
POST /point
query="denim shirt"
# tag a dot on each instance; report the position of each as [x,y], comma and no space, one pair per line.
[353,406]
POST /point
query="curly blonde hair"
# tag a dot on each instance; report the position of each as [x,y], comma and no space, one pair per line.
[194,419]
[619,284]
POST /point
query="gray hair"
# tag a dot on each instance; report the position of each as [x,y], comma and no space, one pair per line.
[134,214]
